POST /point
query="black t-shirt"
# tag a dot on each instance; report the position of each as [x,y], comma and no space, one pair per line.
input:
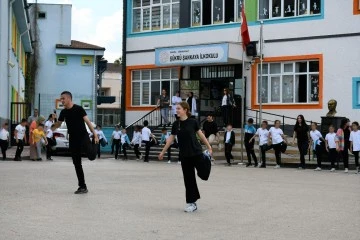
[210,128]
[185,131]
[74,118]
[302,132]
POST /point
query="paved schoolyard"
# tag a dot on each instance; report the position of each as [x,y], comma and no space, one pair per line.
[134,200]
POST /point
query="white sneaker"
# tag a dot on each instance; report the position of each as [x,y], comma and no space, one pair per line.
[346,170]
[169,161]
[179,162]
[332,170]
[138,159]
[190,207]
[141,157]
[317,169]
[277,167]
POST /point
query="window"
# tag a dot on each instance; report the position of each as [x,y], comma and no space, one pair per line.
[290,82]
[61,60]
[153,15]
[272,9]
[86,60]
[147,85]
[108,117]
[41,15]
[356,92]
[104,92]
[207,12]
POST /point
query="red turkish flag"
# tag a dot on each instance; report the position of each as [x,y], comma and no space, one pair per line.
[244,30]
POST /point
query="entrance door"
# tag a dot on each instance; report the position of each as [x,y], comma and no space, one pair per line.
[190,85]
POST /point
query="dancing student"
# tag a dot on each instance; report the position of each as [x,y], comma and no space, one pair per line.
[249,145]
[102,139]
[4,139]
[315,144]
[37,135]
[229,142]
[164,138]
[263,135]
[51,142]
[125,143]
[355,144]
[276,135]
[301,133]
[343,143]
[115,141]
[136,141]
[175,100]
[186,129]
[20,138]
[330,145]
[146,137]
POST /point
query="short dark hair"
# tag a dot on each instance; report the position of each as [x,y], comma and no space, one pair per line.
[315,123]
[67,93]
[277,121]
[266,122]
[23,120]
[52,126]
[146,123]
[211,115]
[164,129]
[41,125]
[6,124]
[331,126]
[98,126]
[229,124]
[250,120]
[355,123]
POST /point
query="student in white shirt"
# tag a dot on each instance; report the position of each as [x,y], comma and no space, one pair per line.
[164,137]
[146,136]
[115,139]
[175,100]
[102,139]
[49,122]
[136,141]
[330,145]
[229,142]
[51,141]
[4,139]
[20,138]
[355,144]
[277,139]
[263,135]
[125,142]
[315,144]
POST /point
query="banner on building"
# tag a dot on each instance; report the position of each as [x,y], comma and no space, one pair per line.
[192,55]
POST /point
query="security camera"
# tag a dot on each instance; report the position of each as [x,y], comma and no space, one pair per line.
[11,64]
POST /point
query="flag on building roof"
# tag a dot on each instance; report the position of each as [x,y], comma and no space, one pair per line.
[244,30]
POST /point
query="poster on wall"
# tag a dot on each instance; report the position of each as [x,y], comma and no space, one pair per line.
[314,94]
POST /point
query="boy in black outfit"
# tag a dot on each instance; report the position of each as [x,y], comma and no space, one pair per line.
[229,141]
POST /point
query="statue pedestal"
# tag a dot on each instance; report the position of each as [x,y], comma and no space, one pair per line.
[327,121]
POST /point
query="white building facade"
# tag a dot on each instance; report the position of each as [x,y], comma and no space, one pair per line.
[311,55]
[15,46]
[64,64]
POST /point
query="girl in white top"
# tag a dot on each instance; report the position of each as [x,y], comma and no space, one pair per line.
[263,135]
[175,100]
[136,141]
[355,144]
[315,144]
[331,146]
[4,139]
[277,138]
[49,122]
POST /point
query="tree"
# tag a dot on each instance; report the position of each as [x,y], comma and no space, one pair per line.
[118,61]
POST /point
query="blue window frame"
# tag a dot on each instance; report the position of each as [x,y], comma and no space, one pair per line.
[356,92]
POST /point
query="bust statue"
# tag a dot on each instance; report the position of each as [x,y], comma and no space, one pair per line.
[332,108]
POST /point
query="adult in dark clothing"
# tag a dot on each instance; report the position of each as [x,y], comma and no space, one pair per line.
[190,151]
[301,133]
[227,104]
[191,100]
[164,103]
[75,116]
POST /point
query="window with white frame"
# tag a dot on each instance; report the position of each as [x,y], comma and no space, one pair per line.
[147,85]
[207,12]
[272,9]
[153,15]
[289,82]
[108,117]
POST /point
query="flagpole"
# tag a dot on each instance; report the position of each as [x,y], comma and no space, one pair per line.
[261,71]
[243,107]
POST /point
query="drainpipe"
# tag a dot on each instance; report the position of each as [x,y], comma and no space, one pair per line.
[8,56]
[94,101]
[123,71]
[20,56]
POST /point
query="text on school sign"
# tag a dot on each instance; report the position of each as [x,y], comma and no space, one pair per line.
[215,53]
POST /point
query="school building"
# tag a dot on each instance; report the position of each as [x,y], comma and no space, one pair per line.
[311,55]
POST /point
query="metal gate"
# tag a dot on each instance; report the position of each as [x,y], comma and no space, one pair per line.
[18,111]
